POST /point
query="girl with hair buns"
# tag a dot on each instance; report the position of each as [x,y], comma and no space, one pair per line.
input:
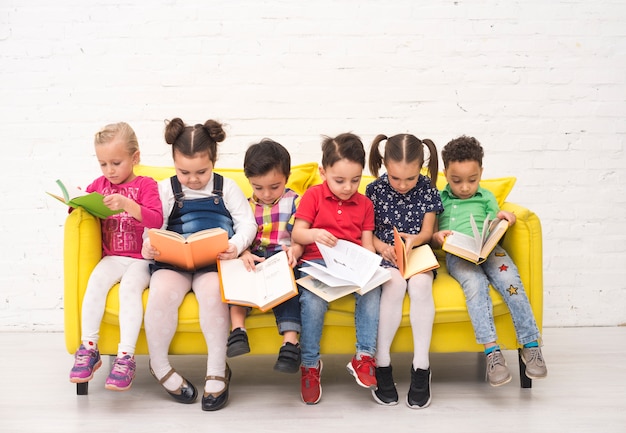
[195,199]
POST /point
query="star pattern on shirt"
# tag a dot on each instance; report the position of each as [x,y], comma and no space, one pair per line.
[512,290]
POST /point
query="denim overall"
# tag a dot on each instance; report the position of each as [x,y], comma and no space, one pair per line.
[191,216]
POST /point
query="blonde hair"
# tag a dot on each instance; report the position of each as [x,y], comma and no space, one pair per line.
[121,130]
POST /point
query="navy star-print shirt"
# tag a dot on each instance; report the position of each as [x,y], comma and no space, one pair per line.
[404,211]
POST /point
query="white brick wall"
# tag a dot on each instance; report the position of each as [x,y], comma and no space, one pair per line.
[541,84]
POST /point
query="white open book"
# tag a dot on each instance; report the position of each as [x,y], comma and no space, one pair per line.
[349,268]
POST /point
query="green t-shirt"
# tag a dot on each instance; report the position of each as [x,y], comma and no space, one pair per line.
[456,212]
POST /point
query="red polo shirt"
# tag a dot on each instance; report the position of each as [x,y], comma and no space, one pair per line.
[344,219]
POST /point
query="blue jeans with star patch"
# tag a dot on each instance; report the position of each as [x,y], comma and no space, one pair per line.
[501,272]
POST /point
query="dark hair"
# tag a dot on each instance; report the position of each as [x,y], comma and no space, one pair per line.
[344,146]
[463,148]
[191,140]
[265,156]
[404,148]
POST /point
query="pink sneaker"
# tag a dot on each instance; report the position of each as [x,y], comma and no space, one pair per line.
[86,362]
[122,374]
[363,370]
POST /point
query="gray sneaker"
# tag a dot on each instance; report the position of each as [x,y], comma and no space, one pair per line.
[535,365]
[497,371]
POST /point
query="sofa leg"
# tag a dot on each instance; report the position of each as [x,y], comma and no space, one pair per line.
[524,381]
[82,388]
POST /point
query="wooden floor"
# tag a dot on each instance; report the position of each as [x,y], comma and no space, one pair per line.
[585,392]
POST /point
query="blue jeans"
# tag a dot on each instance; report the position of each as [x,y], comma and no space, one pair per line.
[287,313]
[313,310]
[501,272]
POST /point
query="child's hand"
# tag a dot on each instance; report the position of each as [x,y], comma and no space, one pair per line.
[148,251]
[230,253]
[117,202]
[250,260]
[509,216]
[389,253]
[294,252]
[409,240]
[324,237]
[439,237]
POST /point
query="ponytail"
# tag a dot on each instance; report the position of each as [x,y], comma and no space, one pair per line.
[376,159]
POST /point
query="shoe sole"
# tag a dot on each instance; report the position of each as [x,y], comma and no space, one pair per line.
[381,402]
[356,377]
[116,388]
[504,382]
[233,351]
[87,379]
[285,368]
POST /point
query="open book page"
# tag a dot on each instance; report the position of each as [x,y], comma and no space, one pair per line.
[346,264]
[330,293]
[271,283]
[476,248]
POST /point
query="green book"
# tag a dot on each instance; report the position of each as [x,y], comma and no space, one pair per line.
[92,202]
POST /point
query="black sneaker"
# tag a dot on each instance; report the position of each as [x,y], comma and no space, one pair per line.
[289,358]
[385,393]
[419,391]
[237,343]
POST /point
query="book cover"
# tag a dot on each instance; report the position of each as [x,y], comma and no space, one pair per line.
[417,260]
[92,202]
[269,284]
[198,250]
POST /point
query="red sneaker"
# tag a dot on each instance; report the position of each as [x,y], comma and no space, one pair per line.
[363,370]
[311,388]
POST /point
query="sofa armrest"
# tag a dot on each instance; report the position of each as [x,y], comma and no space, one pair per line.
[82,250]
[523,242]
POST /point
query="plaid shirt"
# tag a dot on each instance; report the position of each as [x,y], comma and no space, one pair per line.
[275,222]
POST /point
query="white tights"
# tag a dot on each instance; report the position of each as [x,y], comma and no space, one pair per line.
[421,314]
[133,276]
[167,291]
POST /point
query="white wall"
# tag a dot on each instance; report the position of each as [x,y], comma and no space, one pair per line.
[541,84]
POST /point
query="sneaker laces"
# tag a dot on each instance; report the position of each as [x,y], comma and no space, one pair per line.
[311,376]
[535,356]
[82,358]
[366,362]
[121,366]
[495,358]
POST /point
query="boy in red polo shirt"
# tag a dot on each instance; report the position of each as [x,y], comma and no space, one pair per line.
[327,212]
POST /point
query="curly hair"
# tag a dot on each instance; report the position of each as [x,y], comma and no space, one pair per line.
[463,148]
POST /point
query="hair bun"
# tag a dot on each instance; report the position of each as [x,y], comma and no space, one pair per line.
[173,129]
[215,130]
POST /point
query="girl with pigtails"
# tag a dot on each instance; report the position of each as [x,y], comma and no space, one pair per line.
[409,201]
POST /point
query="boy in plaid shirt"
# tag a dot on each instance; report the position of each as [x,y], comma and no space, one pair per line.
[267,166]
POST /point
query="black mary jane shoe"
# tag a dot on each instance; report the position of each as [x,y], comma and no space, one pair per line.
[185,394]
[216,401]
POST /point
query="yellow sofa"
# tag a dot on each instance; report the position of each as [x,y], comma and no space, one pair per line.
[452,331]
